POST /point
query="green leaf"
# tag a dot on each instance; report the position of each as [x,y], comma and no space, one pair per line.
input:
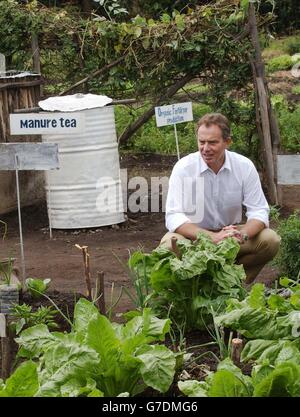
[37,287]
[193,388]
[226,384]
[84,312]
[102,338]
[257,296]
[74,388]
[284,381]
[23,382]
[66,362]
[158,367]
[276,302]
[35,340]
[261,349]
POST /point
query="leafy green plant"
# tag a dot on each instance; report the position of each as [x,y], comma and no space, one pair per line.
[186,289]
[281,380]
[296,89]
[99,357]
[5,229]
[6,269]
[289,125]
[292,45]
[37,287]
[288,258]
[279,63]
[264,316]
[24,317]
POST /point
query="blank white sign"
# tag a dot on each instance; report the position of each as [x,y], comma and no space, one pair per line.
[30,156]
[288,169]
[2,325]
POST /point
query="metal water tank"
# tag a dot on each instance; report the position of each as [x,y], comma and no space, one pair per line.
[86,190]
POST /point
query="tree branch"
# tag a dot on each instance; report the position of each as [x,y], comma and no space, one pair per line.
[132,128]
[93,75]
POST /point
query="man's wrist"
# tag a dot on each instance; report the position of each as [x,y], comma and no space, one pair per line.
[245,236]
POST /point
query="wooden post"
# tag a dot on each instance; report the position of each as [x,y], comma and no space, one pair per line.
[87,273]
[267,140]
[6,351]
[265,119]
[174,246]
[100,296]
[237,347]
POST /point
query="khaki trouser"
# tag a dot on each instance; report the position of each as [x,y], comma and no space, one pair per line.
[253,254]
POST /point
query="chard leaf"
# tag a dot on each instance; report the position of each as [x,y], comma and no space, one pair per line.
[225,383]
[276,302]
[23,382]
[102,338]
[256,297]
[63,363]
[158,366]
[193,388]
[84,312]
[228,249]
[261,349]
[73,388]
[35,340]
[161,276]
[295,300]
[288,353]
[284,381]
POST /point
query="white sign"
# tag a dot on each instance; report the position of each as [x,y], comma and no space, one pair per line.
[30,156]
[2,325]
[173,114]
[288,169]
[46,123]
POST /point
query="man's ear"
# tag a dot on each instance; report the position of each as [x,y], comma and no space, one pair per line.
[228,142]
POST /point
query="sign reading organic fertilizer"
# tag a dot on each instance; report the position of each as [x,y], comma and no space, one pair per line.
[173,114]
[46,123]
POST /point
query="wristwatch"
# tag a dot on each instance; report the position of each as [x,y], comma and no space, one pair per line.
[245,237]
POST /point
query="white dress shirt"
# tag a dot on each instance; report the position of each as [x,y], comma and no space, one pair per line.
[197,195]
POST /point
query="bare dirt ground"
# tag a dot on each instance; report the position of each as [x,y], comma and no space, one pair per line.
[109,246]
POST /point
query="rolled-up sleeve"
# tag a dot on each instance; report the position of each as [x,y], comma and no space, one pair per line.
[175,215]
[254,199]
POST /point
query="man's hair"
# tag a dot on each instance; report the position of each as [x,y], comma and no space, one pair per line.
[215,119]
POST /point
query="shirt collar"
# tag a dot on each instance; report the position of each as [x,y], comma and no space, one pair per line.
[204,167]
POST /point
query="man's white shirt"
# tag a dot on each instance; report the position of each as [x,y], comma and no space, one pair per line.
[197,195]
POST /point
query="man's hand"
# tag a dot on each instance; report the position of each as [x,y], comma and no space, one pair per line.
[228,231]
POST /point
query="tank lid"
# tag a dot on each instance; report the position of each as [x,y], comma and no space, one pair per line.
[74,102]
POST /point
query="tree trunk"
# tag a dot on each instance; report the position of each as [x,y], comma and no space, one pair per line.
[86,6]
[265,120]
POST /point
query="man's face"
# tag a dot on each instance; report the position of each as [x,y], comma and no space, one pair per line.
[212,145]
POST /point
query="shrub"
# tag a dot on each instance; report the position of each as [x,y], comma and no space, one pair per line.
[282,62]
[293,45]
[296,89]
[288,258]
[289,124]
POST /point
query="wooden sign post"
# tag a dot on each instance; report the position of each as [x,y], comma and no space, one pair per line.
[22,157]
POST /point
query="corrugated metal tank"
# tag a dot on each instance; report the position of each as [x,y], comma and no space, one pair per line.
[86,190]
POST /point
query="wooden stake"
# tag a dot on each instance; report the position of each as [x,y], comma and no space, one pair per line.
[87,273]
[237,347]
[174,246]
[6,350]
[100,297]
